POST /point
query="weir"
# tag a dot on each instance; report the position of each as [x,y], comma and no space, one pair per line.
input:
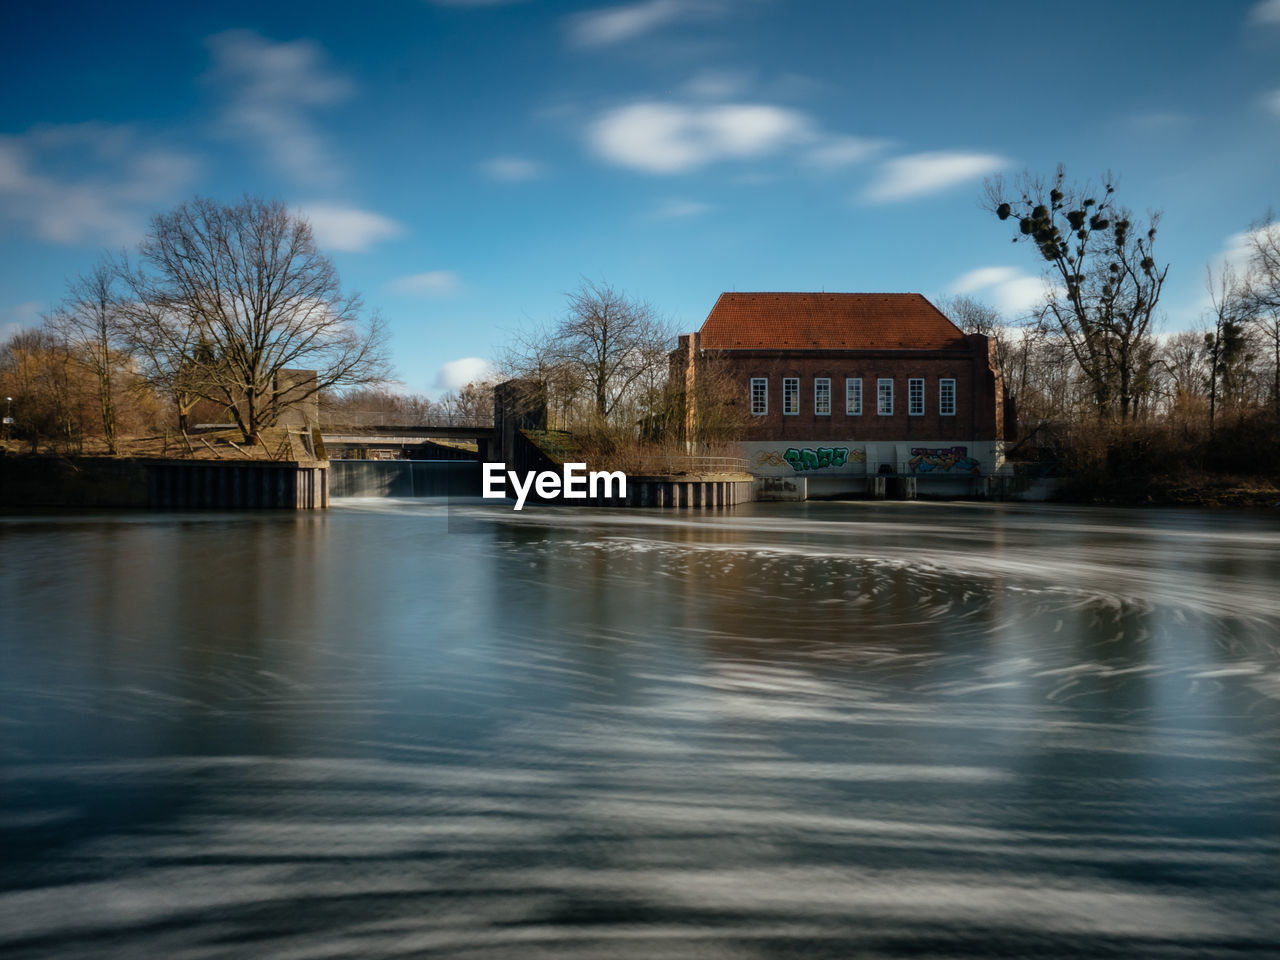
[404,478]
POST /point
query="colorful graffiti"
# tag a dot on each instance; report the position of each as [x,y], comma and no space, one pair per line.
[943,460]
[820,459]
[808,458]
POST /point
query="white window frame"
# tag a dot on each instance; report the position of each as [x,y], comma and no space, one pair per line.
[761,410]
[915,404]
[882,408]
[820,383]
[853,396]
[791,396]
[943,383]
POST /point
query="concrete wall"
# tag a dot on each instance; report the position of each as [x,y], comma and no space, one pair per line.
[160,484]
[849,458]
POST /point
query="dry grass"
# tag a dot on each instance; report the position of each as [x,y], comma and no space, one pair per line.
[224,444]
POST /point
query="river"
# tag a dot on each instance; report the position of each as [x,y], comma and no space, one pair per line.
[398,728]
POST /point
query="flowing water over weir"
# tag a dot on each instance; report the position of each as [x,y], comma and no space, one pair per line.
[818,730]
[404,478]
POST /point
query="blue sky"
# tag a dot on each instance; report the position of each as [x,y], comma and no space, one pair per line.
[467,162]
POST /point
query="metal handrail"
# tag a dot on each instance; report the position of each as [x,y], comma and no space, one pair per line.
[661,465]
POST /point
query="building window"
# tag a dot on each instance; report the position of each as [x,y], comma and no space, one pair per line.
[822,396]
[915,397]
[759,396]
[853,396]
[947,398]
[790,395]
[884,398]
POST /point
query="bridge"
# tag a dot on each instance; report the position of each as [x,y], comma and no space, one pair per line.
[373,430]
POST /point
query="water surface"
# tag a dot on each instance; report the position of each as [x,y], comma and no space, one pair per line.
[816,730]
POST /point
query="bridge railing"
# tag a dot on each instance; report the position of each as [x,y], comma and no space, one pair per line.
[390,419]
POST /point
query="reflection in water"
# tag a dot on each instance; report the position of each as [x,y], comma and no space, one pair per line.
[786,730]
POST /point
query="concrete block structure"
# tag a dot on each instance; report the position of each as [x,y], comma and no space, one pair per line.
[841,387]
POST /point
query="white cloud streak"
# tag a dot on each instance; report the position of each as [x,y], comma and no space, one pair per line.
[921,174]
[599,28]
[1266,12]
[124,179]
[338,227]
[511,169]
[669,138]
[1272,102]
[1010,290]
[456,374]
[271,90]
[433,283]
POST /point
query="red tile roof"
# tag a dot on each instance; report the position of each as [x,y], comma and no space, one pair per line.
[828,321]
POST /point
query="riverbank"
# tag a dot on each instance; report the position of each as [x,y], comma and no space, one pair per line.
[1186,488]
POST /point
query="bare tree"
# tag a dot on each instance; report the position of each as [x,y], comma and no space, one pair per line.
[533,353]
[611,341]
[1224,346]
[470,406]
[1262,294]
[1182,363]
[228,297]
[50,391]
[88,321]
[1106,280]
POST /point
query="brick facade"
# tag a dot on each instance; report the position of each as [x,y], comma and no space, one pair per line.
[978,393]
[871,337]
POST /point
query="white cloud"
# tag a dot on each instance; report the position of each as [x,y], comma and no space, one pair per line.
[1238,249]
[272,89]
[511,169]
[348,228]
[920,174]
[456,374]
[1272,102]
[433,283]
[88,182]
[1008,289]
[1266,12]
[618,24]
[677,209]
[667,138]
[845,151]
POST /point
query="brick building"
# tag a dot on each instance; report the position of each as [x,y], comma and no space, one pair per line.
[842,385]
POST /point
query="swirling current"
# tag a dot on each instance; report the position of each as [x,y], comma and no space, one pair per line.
[407,728]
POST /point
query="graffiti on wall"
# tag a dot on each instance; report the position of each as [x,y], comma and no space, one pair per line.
[943,460]
[809,458]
